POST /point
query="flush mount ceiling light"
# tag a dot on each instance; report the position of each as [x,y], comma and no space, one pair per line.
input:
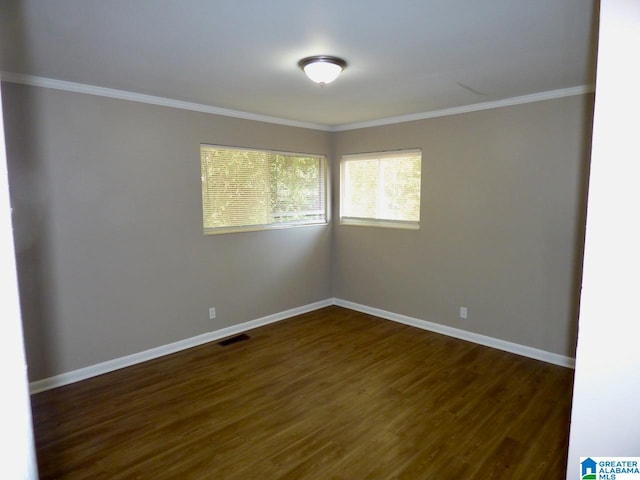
[322,69]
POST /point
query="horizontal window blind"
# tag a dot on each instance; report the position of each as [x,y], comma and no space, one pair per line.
[381,189]
[246,189]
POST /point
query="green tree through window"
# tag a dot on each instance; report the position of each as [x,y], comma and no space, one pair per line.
[245,189]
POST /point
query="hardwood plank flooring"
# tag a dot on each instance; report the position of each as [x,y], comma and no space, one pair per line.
[332,394]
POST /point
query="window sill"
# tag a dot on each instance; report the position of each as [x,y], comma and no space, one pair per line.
[260,228]
[365,222]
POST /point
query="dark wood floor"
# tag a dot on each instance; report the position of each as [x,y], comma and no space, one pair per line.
[332,394]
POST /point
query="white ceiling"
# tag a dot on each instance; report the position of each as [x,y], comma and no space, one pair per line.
[405,57]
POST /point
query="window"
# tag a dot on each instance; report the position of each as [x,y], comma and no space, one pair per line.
[381,189]
[244,189]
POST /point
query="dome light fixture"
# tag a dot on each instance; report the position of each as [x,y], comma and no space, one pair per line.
[322,69]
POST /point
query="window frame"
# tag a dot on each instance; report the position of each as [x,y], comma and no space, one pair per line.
[325,196]
[374,221]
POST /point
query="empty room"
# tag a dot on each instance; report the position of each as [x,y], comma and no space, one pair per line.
[231,266]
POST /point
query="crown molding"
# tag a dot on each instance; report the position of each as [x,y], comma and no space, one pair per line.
[150,99]
[198,107]
[475,107]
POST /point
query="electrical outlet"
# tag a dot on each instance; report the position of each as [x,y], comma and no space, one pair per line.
[463,312]
[212,313]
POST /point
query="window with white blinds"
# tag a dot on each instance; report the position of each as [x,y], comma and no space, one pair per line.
[381,189]
[245,189]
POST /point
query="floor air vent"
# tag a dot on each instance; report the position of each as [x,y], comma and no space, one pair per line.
[232,340]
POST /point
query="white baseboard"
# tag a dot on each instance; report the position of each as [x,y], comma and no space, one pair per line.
[492,342]
[129,360]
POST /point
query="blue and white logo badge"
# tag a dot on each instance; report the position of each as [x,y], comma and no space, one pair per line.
[610,468]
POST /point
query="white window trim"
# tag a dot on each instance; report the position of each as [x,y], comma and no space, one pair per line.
[278,226]
[373,222]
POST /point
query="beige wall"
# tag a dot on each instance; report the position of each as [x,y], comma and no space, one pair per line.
[112,259]
[502,220]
